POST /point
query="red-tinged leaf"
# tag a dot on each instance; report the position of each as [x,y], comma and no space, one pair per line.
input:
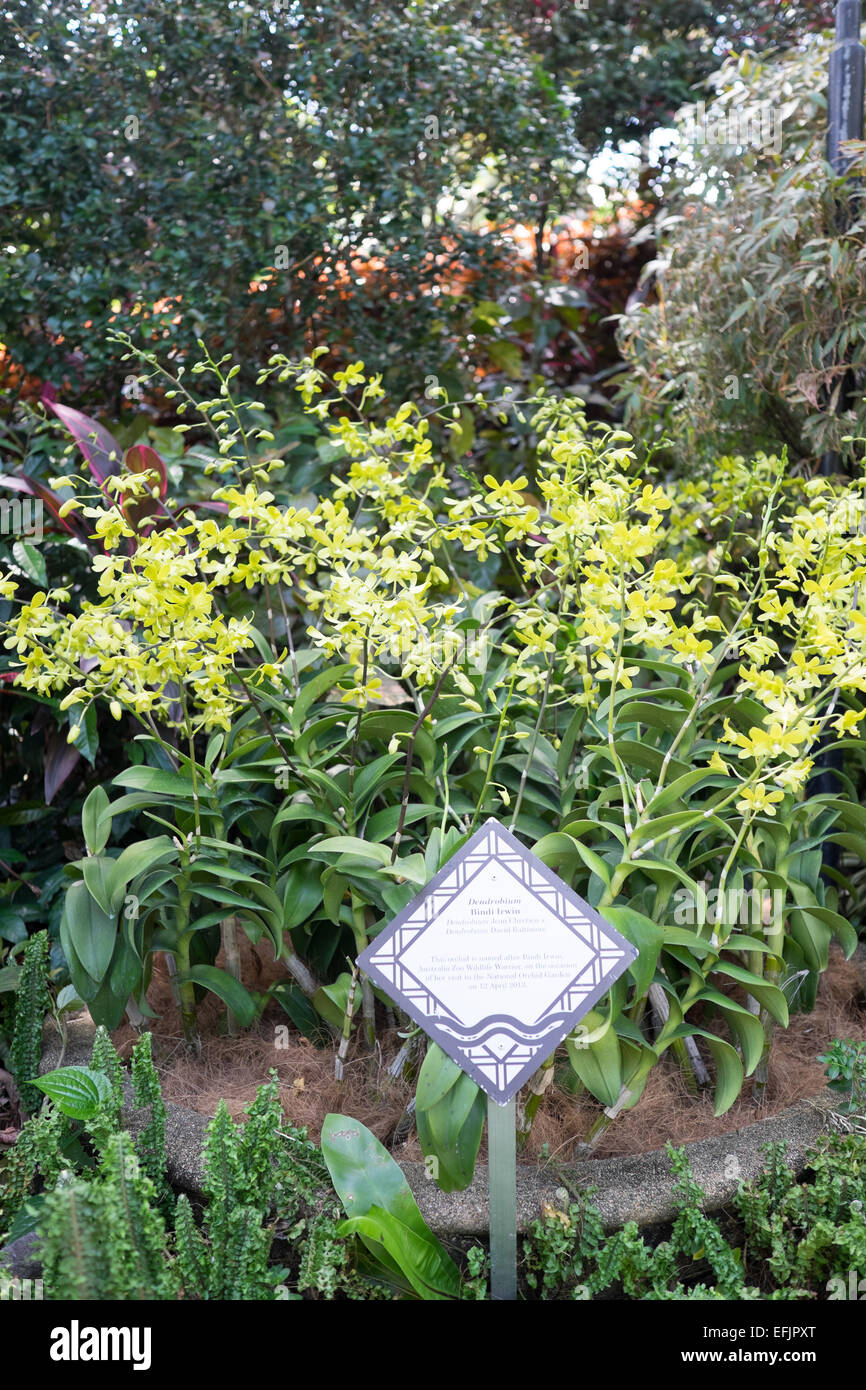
[14,484]
[142,459]
[60,760]
[49,499]
[100,448]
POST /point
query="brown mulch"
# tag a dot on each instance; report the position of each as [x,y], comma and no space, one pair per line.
[231,1068]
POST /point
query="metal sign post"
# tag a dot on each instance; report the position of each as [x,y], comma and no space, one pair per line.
[502,1186]
[497,959]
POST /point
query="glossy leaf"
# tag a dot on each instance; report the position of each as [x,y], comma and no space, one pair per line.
[230,990]
[77,1091]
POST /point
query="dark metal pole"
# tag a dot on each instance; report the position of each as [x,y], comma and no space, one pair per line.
[844,122]
[845,101]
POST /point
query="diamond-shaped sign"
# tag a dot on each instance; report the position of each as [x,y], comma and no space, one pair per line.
[497,959]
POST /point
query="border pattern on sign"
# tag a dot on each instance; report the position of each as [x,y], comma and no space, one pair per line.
[499,1052]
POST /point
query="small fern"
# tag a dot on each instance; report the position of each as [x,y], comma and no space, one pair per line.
[32,1002]
[147,1094]
[73,1232]
[191,1250]
[324,1256]
[36,1157]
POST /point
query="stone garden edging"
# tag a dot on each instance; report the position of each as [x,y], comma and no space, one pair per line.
[634,1188]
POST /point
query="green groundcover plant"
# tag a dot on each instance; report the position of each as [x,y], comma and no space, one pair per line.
[282,1219]
[333,691]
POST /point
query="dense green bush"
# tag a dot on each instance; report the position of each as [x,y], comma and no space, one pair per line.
[160,160]
[760,296]
[252,172]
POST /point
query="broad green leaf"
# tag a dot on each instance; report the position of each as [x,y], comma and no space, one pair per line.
[76,1091]
[96,820]
[230,990]
[92,932]
[748,1032]
[435,1079]
[729,1068]
[383,824]
[768,995]
[651,713]
[699,945]
[382,725]
[411,868]
[839,926]
[301,811]
[13,927]
[107,1007]
[125,972]
[332,1000]
[599,1065]
[593,862]
[370,779]
[85,986]
[365,1175]
[659,868]
[144,854]
[104,883]
[302,894]
[451,1130]
[157,780]
[314,689]
[67,999]
[9,978]
[350,845]
[662,829]
[430,1271]
[31,562]
[301,1012]
[677,790]
[334,888]
[643,933]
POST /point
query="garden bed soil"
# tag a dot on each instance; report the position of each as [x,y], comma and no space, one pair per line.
[231,1068]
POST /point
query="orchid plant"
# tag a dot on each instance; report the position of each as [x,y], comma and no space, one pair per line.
[641,694]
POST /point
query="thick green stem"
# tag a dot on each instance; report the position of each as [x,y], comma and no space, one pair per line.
[187,994]
[541,1080]
[771,970]
[368,1000]
[232,956]
[340,1059]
